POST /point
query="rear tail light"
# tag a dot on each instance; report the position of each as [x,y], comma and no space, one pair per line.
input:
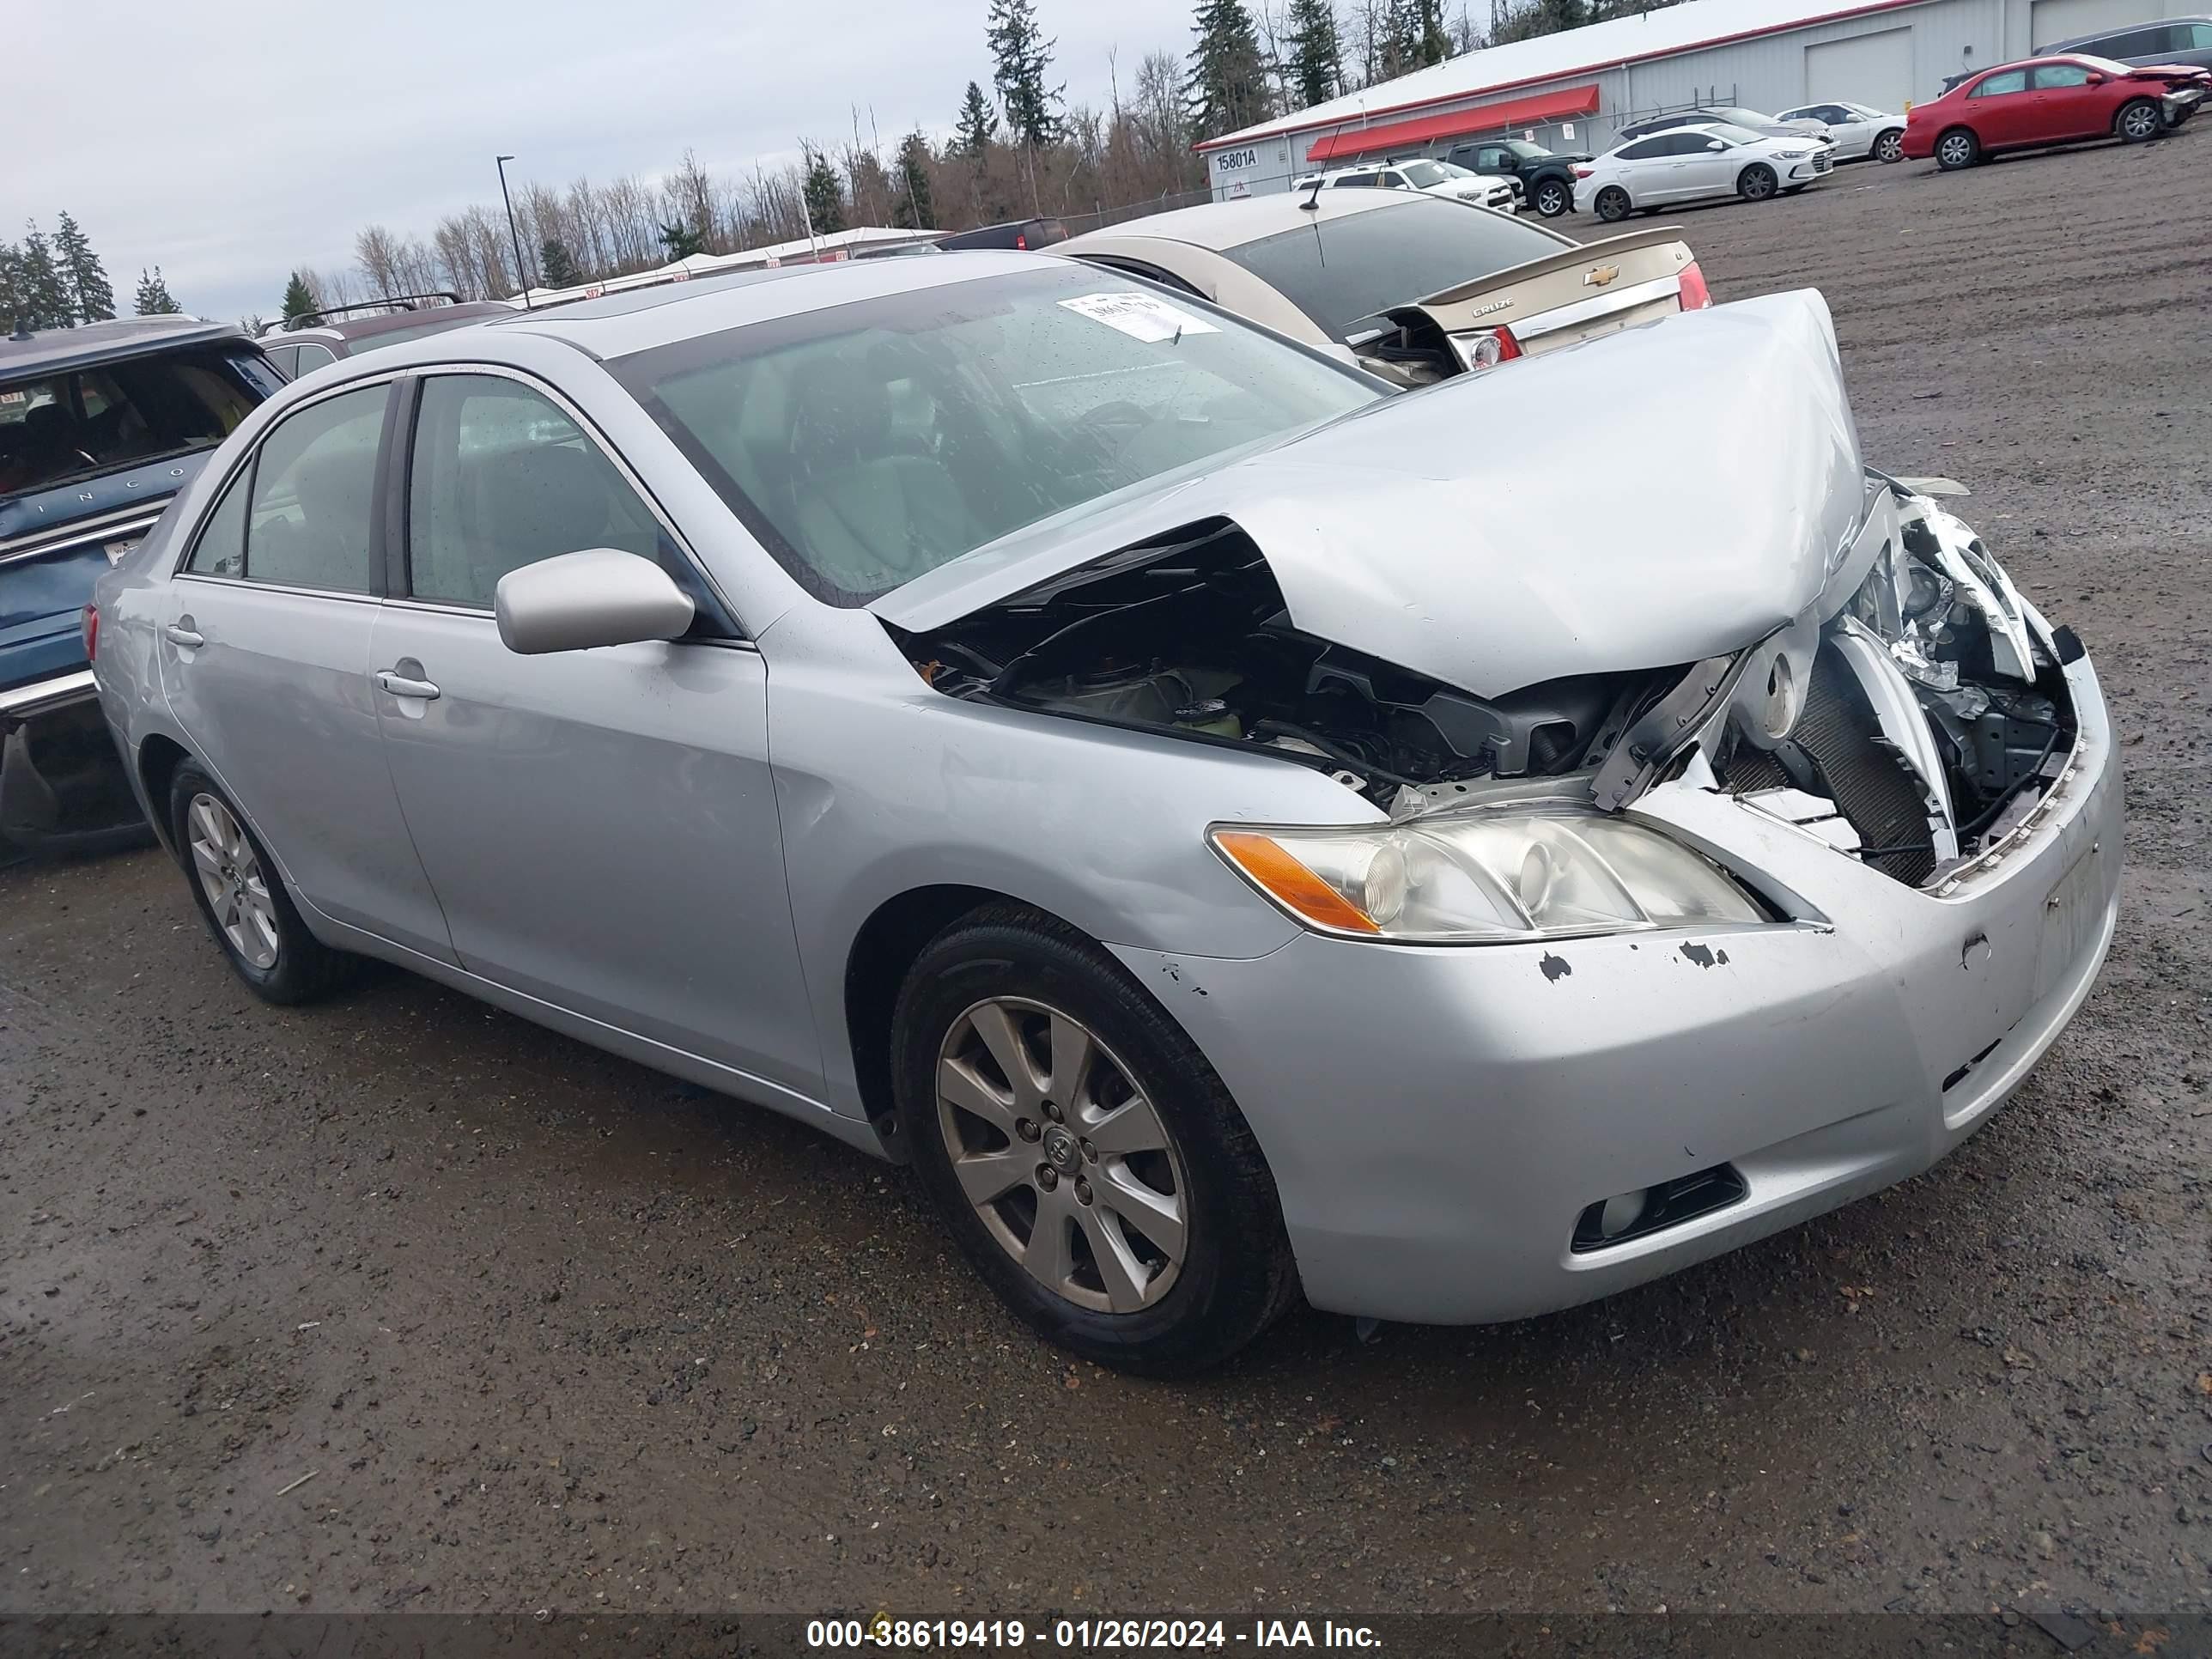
[1696,296]
[1486,348]
[1584,173]
[89,625]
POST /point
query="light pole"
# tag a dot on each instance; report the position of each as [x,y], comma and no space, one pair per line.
[521,275]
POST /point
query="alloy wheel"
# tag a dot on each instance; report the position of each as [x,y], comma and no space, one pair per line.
[2140,121]
[1956,150]
[1890,147]
[1756,184]
[1551,198]
[1063,1154]
[236,886]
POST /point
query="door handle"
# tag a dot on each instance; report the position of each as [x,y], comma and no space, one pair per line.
[181,633]
[396,684]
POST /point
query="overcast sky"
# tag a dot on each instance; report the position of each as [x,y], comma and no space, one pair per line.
[228,140]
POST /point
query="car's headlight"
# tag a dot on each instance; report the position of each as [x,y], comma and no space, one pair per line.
[1791,154]
[1490,877]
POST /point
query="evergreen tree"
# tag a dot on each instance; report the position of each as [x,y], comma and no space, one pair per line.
[91,299]
[13,311]
[1317,52]
[825,201]
[558,265]
[154,299]
[1435,45]
[1227,88]
[299,301]
[911,209]
[43,293]
[977,127]
[1023,56]
[681,241]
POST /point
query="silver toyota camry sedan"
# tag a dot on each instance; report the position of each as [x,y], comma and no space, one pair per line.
[1233,833]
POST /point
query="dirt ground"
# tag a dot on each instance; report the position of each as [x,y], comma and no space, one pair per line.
[402,1304]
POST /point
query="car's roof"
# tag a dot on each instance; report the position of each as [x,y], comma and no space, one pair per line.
[53,349]
[1232,224]
[364,328]
[640,319]
[2072,42]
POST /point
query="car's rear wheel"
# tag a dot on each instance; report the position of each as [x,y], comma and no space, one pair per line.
[1612,205]
[1890,146]
[1089,1162]
[1553,198]
[1957,148]
[2139,121]
[241,898]
[1756,183]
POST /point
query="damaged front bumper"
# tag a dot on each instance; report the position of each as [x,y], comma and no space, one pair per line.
[1440,1120]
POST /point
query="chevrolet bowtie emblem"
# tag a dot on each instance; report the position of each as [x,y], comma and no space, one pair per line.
[1599,276]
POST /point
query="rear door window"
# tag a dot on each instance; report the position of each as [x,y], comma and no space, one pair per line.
[1354,266]
[1645,151]
[2050,77]
[314,485]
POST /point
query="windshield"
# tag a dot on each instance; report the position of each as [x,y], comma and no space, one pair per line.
[870,442]
[54,427]
[1360,263]
[1527,151]
[1741,118]
[2105,65]
[1734,134]
[1422,174]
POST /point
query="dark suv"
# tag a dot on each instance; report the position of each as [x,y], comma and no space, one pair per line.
[2169,40]
[100,427]
[324,337]
[1542,179]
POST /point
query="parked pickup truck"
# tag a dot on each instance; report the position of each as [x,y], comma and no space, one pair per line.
[1546,181]
[99,428]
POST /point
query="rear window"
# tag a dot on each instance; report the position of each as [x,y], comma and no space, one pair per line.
[1344,269]
[57,427]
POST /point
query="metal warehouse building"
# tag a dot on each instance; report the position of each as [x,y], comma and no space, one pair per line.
[1574,90]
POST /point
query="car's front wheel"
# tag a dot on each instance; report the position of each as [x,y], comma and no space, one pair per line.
[1756,183]
[242,898]
[2139,121]
[1890,146]
[1612,205]
[1553,198]
[1957,148]
[1089,1162]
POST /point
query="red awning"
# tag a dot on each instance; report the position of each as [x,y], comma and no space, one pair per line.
[1485,117]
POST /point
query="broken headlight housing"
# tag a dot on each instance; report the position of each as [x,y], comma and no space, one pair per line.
[1497,876]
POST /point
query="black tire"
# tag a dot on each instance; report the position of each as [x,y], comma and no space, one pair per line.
[1957,148]
[1553,197]
[1612,204]
[1235,1276]
[1757,183]
[2140,120]
[304,970]
[1889,145]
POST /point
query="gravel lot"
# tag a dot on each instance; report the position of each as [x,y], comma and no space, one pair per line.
[403,1303]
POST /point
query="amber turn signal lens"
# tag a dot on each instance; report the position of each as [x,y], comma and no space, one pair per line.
[1291,884]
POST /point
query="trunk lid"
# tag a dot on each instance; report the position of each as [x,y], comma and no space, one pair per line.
[1577,293]
[1659,497]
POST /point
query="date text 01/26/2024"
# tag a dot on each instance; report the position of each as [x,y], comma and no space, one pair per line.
[1083,1635]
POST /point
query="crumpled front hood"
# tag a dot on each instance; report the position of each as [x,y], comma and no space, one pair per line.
[1661,495]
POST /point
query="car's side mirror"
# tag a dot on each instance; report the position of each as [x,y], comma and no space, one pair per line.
[2096,79]
[600,596]
[1715,143]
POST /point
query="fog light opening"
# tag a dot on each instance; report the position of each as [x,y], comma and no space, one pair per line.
[1628,1216]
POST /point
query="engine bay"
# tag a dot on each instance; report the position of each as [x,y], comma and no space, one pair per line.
[1912,730]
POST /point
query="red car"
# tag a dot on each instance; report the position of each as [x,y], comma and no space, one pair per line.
[2051,100]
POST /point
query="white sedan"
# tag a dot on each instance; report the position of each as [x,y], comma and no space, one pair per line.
[1444,179]
[1691,164]
[1860,130]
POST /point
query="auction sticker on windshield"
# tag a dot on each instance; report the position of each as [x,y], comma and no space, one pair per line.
[1140,316]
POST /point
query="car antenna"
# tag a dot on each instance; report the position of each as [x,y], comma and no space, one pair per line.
[22,332]
[1312,203]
